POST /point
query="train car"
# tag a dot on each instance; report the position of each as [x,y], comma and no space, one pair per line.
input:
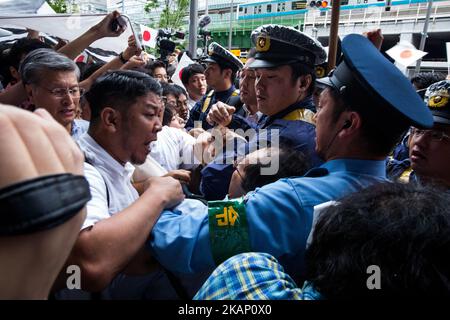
[276,8]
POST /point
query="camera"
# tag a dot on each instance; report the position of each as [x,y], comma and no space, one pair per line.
[166,46]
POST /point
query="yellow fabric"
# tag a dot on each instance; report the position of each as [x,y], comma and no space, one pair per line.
[207,101]
[404,178]
[301,114]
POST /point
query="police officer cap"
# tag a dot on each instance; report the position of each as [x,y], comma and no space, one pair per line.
[366,78]
[220,55]
[437,98]
[279,45]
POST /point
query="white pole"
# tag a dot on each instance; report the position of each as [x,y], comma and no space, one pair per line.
[424,34]
[230,37]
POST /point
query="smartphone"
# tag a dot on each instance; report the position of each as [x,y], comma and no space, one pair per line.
[117,23]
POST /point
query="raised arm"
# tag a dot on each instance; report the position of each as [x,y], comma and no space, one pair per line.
[99,31]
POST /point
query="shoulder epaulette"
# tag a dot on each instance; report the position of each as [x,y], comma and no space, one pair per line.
[207,101]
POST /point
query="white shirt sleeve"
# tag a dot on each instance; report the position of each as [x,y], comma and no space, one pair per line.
[97,207]
[187,143]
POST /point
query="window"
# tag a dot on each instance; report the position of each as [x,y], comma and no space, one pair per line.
[269,8]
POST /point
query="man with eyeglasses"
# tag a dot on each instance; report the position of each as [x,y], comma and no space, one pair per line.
[429,150]
[51,83]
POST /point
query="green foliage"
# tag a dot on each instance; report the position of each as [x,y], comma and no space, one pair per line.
[60,6]
[173,13]
[150,5]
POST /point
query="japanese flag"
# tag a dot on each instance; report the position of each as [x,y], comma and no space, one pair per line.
[405,53]
[149,36]
[83,57]
[183,63]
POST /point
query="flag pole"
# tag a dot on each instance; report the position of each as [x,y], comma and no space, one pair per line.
[136,36]
[333,38]
[424,34]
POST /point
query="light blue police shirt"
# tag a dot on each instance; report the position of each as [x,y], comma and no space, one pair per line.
[279,217]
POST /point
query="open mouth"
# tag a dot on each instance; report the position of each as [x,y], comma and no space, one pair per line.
[68,112]
[417,156]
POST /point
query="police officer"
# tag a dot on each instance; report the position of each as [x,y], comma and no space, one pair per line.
[430,149]
[284,66]
[220,74]
[277,218]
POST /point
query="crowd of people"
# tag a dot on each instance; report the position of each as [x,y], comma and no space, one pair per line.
[249,181]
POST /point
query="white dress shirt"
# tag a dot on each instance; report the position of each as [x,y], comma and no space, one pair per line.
[109,182]
[174,149]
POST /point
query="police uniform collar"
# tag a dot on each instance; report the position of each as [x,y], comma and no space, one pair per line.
[370,167]
[225,92]
[366,78]
[304,104]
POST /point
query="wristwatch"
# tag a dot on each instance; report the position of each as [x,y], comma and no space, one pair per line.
[122,58]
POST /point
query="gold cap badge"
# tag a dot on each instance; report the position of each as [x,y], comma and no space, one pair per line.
[438,99]
[262,43]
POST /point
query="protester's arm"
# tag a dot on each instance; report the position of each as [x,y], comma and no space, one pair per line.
[23,137]
[115,64]
[220,114]
[376,37]
[99,31]
[106,248]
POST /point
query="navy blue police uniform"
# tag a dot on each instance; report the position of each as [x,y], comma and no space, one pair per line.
[275,46]
[224,58]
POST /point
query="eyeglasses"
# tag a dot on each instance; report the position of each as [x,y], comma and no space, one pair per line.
[435,135]
[74,92]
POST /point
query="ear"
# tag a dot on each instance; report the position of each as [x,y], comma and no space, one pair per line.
[14,73]
[110,119]
[353,121]
[305,82]
[29,91]
[228,73]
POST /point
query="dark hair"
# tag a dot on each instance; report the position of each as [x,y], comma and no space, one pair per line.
[169,88]
[167,116]
[90,69]
[190,71]
[300,69]
[233,71]
[180,90]
[292,163]
[380,135]
[154,65]
[402,229]
[423,80]
[119,90]
[23,47]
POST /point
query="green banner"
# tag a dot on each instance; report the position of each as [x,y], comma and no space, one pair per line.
[228,229]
